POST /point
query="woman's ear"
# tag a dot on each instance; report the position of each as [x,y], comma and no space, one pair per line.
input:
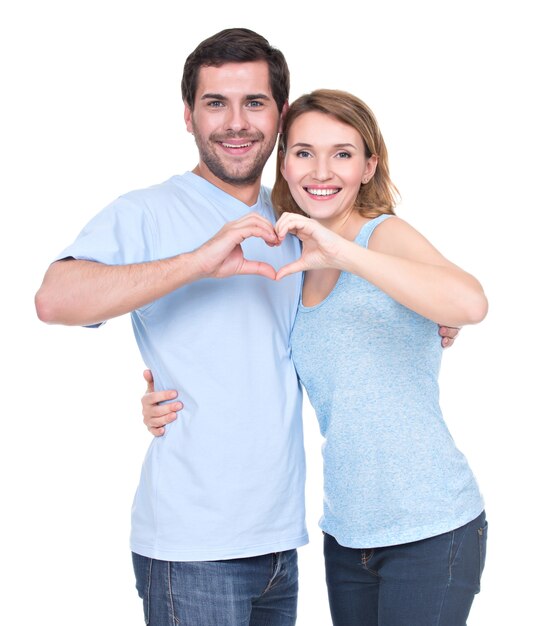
[371,167]
[281,161]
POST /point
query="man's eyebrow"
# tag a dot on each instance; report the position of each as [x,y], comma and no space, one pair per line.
[219,96]
[213,96]
[258,96]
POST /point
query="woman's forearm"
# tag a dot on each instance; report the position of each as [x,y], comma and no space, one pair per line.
[443,293]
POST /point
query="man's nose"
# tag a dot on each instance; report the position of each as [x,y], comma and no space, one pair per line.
[237,119]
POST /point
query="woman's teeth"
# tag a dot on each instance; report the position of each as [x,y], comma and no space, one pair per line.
[321,192]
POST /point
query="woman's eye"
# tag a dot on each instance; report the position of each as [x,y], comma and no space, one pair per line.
[343,155]
[303,154]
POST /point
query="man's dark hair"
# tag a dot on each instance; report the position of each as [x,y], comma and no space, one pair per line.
[236,45]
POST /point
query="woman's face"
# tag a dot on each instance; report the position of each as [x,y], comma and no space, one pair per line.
[324,166]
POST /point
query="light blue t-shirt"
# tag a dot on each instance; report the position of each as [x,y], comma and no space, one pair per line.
[370,366]
[227,478]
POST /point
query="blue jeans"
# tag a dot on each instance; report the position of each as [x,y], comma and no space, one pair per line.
[255,591]
[425,583]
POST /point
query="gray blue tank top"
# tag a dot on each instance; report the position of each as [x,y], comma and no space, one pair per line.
[392,472]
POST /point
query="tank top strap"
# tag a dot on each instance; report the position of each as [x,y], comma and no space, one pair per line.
[367,229]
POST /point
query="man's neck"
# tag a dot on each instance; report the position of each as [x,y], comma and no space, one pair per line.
[247,194]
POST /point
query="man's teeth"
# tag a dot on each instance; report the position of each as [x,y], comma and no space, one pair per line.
[322,192]
[235,145]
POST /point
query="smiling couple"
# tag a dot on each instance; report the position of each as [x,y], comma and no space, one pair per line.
[214,285]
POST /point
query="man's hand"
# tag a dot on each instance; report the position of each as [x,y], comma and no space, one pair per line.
[222,255]
[448,335]
[157,415]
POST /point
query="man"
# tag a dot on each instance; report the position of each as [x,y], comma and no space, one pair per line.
[219,510]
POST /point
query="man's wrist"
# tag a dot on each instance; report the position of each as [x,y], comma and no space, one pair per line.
[196,264]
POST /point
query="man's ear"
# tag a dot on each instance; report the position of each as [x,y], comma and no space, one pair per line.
[187,117]
[283,114]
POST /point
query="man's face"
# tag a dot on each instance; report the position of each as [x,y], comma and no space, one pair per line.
[235,121]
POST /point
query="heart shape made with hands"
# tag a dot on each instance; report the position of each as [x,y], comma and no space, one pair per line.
[229,256]
[261,268]
[319,244]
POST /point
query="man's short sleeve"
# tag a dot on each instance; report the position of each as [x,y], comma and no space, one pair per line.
[122,233]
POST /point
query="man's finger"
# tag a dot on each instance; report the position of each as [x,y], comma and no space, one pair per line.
[157,431]
[155,397]
[149,378]
[259,268]
[448,331]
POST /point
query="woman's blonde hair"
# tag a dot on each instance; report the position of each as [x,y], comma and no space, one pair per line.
[379,195]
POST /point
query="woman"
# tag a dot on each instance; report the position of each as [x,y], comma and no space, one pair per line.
[405,531]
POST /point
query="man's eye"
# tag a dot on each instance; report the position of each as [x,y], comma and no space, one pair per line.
[254,104]
[215,103]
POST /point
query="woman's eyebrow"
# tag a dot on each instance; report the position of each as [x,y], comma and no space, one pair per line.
[302,144]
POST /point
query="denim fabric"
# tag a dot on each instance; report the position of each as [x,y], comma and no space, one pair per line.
[256,591]
[431,582]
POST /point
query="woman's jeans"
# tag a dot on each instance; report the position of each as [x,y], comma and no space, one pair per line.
[256,591]
[425,583]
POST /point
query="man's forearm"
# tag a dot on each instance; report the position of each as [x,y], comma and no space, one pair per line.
[80,293]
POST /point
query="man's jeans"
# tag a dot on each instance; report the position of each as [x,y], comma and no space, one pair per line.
[256,591]
[425,583]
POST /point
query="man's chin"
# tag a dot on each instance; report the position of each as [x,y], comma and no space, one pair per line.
[241,181]
[236,177]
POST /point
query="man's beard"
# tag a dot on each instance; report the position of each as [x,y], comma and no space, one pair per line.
[224,171]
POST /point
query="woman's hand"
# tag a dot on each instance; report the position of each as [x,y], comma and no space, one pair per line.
[320,246]
[157,415]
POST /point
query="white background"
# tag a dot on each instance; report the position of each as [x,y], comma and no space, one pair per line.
[91,108]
